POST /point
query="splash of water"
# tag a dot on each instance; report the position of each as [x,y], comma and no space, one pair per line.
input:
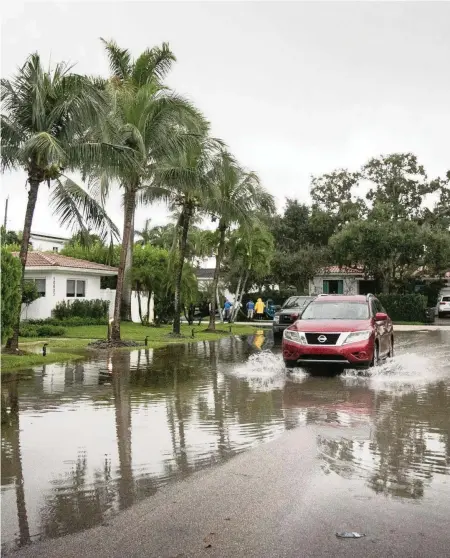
[404,372]
[264,371]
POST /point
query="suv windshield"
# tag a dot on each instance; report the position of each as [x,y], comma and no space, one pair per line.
[296,302]
[344,310]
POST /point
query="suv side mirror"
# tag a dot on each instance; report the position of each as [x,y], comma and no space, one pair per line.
[381,317]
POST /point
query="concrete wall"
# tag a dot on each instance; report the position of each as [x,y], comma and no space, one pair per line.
[350,284]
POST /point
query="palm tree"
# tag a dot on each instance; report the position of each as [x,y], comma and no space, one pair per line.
[185,181]
[145,234]
[44,130]
[149,119]
[237,196]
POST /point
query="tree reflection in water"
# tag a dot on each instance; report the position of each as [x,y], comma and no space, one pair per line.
[12,459]
[397,461]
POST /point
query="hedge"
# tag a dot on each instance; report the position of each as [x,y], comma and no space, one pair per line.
[74,321]
[10,288]
[404,307]
[41,331]
[95,309]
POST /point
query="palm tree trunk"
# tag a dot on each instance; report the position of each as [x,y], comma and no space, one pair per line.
[185,219]
[138,291]
[129,207]
[238,302]
[236,297]
[13,343]
[215,285]
[127,287]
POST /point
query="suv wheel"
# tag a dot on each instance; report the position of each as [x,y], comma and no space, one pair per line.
[391,348]
[376,356]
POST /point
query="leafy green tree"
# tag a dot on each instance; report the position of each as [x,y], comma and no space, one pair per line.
[149,120]
[250,255]
[29,293]
[43,130]
[398,186]
[9,238]
[237,195]
[10,289]
[388,251]
[334,193]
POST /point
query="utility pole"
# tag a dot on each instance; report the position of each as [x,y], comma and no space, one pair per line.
[6,213]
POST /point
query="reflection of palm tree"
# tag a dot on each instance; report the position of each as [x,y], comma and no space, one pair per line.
[218,401]
[14,431]
[183,460]
[122,404]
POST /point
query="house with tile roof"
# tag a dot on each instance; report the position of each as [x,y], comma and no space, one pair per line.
[61,278]
[341,280]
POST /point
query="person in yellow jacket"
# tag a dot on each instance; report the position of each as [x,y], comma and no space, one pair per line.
[259,309]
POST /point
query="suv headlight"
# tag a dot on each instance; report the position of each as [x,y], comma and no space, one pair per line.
[296,336]
[356,336]
[276,319]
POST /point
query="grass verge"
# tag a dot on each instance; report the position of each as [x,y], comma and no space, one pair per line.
[78,337]
[22,363]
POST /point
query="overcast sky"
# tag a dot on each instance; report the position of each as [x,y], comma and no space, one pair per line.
[294,89]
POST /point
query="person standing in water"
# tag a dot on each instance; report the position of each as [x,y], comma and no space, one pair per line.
[259,309]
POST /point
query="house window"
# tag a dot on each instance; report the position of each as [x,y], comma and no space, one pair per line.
[55,249]
[40,285]
[76,288]
[333,286]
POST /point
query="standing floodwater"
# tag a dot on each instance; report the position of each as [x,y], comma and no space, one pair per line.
[81,442]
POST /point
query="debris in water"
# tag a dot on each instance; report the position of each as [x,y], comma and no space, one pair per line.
[348,535]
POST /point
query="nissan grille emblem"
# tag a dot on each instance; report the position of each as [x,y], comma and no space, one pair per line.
[321,339]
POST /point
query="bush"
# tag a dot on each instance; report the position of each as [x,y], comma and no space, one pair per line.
[404,307]
[41,331]
[95,309]
[68,322]
[28,331]
[11,271]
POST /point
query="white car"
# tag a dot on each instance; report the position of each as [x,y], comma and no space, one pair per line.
[444,305]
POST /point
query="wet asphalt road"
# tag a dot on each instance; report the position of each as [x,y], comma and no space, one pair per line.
[269,502]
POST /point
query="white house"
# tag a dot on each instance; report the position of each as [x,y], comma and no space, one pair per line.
[47,243]
[60,278]
[341,280]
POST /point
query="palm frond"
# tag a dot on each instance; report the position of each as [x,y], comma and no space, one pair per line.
[119,59]
[75,208]
[153,65]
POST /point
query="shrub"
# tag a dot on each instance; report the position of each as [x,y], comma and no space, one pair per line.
[74,321]
[404,307]
[95,309]
[11,271]
[27,330]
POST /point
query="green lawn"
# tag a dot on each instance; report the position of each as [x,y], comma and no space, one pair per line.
[77,339]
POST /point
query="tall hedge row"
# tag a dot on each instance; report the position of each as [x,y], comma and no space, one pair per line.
[404,307]
[10,291]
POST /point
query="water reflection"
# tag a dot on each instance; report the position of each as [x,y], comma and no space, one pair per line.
[97,436]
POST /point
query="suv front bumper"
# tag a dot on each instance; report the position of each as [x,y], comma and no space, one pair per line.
[353,355]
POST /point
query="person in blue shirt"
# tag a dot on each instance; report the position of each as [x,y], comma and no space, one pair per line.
[227,311]
[250,309]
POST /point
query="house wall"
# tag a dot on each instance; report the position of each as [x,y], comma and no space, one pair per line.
[55,291]
[110,294]
[350,284]
[46,245]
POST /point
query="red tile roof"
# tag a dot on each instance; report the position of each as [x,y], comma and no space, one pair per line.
[51,259]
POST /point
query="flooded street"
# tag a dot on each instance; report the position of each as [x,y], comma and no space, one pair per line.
[82,442]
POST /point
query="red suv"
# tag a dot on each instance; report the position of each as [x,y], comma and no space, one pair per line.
[344,331]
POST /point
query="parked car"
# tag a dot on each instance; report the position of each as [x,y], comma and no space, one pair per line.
[289,312]
[339,331]
[444,305]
